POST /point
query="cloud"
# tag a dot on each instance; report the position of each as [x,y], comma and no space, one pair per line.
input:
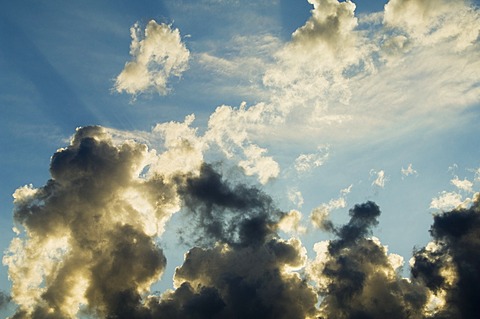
[4,299]
[158,54]
[295,196]
[233,214]
[310,67]
[356,276]
[447,266]
[291,223]
[380,178]
[306,162]
[433,21]
[228,130]
[240,267]
[88,242]
[463,185]
[321,214]
[89,239]
[458,198]
[408,171]
[88,234]
[446,201]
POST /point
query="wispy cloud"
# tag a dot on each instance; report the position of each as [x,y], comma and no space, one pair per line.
[380,178]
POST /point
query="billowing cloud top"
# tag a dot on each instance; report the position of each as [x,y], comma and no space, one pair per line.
[158,53]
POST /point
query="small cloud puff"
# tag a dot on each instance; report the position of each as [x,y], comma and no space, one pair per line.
[381,178]
[408,171]
[158,54]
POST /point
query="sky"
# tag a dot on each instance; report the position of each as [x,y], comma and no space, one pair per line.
[240,159]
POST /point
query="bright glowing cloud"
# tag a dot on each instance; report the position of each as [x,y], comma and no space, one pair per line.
[158,53]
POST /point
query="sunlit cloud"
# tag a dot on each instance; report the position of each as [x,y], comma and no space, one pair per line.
[158,54]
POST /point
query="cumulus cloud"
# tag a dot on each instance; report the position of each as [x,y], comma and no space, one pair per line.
[432,21]
[320,215]
[448,265]
[87,242]
[88,234]
[88,239]
[462,197]
[291,223]
[158,54]
[463,185]
[356,276]
[228,130]
[240,268]
[310,67]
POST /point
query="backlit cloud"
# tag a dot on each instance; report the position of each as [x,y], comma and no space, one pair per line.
[158,53]
[90,242]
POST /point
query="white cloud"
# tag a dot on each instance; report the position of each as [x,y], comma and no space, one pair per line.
[380,178]
[158,53]
[321,213]
[433,21]
[464,185]
[408,171]
[183,148]
[256,163]
[296,197]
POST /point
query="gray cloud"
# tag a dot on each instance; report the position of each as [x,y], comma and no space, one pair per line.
[87,245]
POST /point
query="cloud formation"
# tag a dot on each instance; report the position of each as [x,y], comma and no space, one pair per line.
[357,278]
[88,244]
[448,265]
[158,54]
[89,232]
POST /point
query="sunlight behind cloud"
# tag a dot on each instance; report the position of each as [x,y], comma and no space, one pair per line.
[158,54]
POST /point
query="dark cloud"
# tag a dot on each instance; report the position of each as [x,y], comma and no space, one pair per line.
[451,263]
[86,237]
[358,279]
[87,245]
[235,214]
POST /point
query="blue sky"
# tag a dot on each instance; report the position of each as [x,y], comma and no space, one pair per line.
[320,104]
